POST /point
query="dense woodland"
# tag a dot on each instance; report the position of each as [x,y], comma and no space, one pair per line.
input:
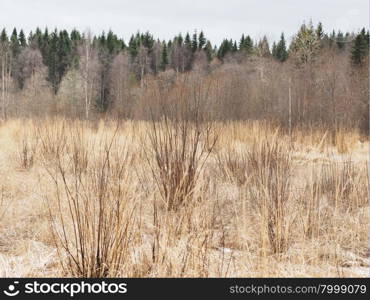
[316,78]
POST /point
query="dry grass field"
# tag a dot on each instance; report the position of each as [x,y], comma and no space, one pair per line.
[143,199]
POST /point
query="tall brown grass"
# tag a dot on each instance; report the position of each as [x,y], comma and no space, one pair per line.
[180,198]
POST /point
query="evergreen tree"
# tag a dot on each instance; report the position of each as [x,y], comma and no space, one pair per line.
[164,57]
[57,52]
[75,44]
[209,50]
[187,42]
[112,43]
[147,41]
[4,37]
[225,47]
[133,47]
[75,35]
[194,42]
[42,41]
[202,41]
[319,31]
[51,60]
[179,40]
[246,44]
[242,41]
[360,48]
[38,38]
[14,43]
[22,39]
[280,52]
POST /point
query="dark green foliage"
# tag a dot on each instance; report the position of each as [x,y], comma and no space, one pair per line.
[187,41]
[56,51]
[279,50]
[360,48]
[179,40]
[194,42]
[164,57]
[113,44]
[319,31]
[246,44]
[133,47]
[225,48]
[76,40]
[4,37]
[209,50]
[22,39]
[146,40]
[201,41]
[14,43]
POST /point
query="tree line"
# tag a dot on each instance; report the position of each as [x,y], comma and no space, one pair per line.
[94,73]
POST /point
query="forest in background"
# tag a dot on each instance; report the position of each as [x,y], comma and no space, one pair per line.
[319,78]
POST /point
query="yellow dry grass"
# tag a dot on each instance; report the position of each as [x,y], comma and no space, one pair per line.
[263,204]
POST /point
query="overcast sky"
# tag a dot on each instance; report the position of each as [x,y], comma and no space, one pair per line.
[165,18]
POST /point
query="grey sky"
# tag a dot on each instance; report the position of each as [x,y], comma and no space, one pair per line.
[165,18]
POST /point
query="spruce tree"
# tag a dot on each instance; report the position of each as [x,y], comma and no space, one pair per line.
[319,31]
[194,42]
[179,39]
[202,41]
[187,41]
[208,50]
[4,37]
[225,47]
[112,43]
[51,60]
[242,41]
[360,48]
[133,47]
[14,43]
[22,39]
[38,38]
[164,57]
[246,44]
[280,52]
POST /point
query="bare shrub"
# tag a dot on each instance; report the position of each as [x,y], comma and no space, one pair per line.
[92,222]
[177,154]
